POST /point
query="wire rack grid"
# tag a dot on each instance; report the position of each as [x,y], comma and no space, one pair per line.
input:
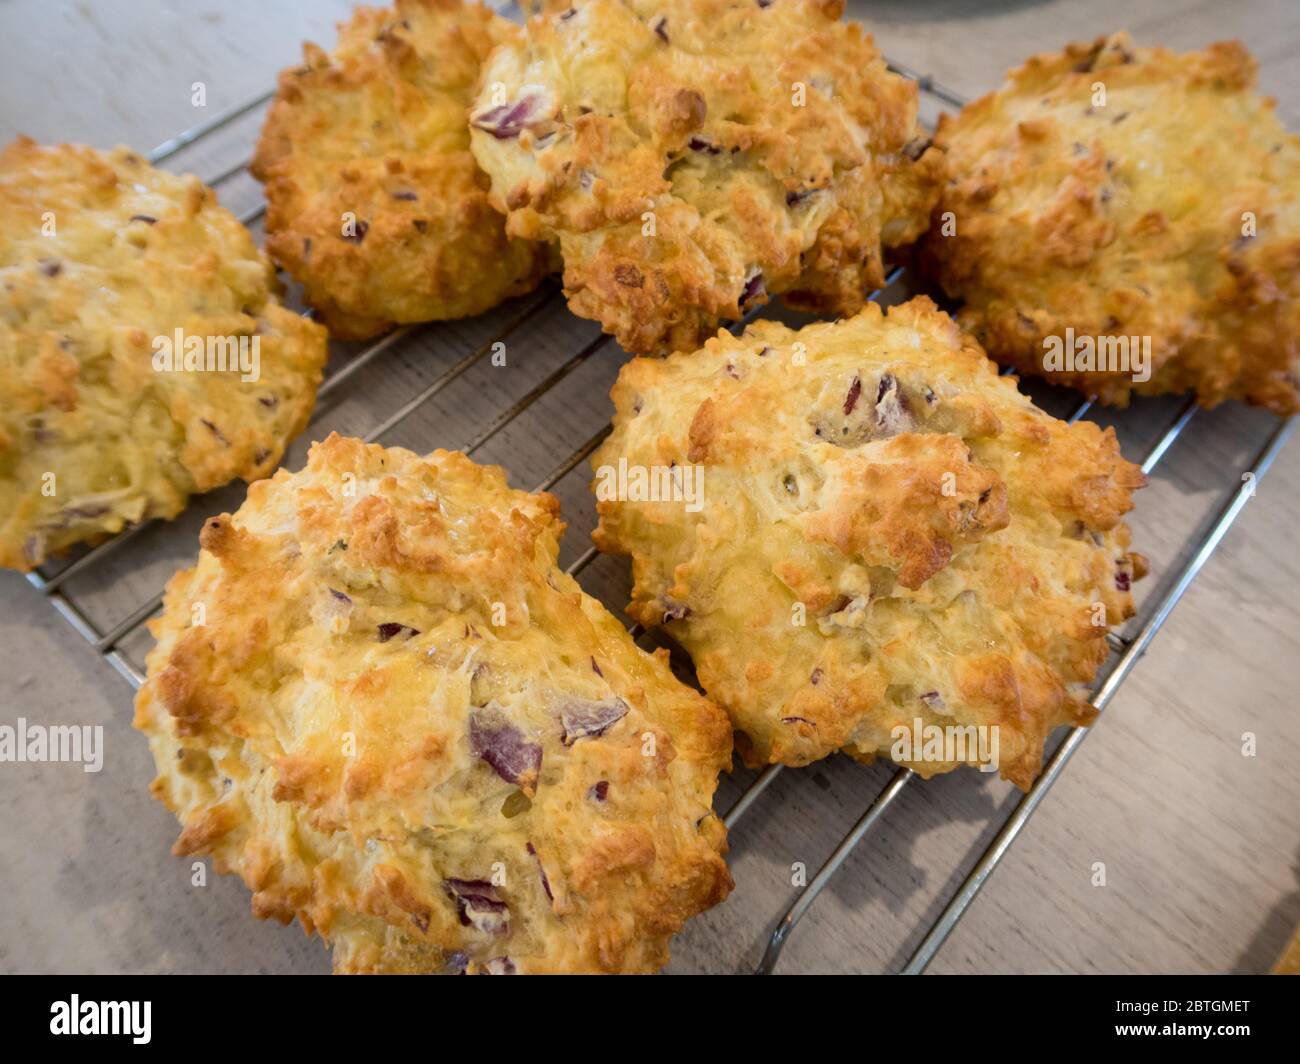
[1126,646]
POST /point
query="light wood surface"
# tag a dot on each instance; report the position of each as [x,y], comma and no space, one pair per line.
[1201,845]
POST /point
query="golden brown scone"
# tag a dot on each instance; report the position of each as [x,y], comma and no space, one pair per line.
[374,202]
[888,532]
[694,157]
[1130,215]
[102,260]
[398,720]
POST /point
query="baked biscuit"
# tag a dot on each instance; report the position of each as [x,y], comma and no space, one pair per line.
[1131,194]
[888,536]
[425,741]
[694,157]
[374,202]
[144,356]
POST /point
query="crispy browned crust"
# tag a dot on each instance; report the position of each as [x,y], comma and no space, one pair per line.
[101,256]
[332,769]
[923,543]
[679,149]
[1127,219]
[377,131]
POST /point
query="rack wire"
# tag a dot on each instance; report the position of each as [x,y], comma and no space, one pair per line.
[1126,649]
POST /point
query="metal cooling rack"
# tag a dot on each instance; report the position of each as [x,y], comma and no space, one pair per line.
[1126,647]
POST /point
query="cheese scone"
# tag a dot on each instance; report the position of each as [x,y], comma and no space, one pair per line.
[380,702]
[144,355]
[694,157]
[1113,201]
[374,202]
[860,527]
